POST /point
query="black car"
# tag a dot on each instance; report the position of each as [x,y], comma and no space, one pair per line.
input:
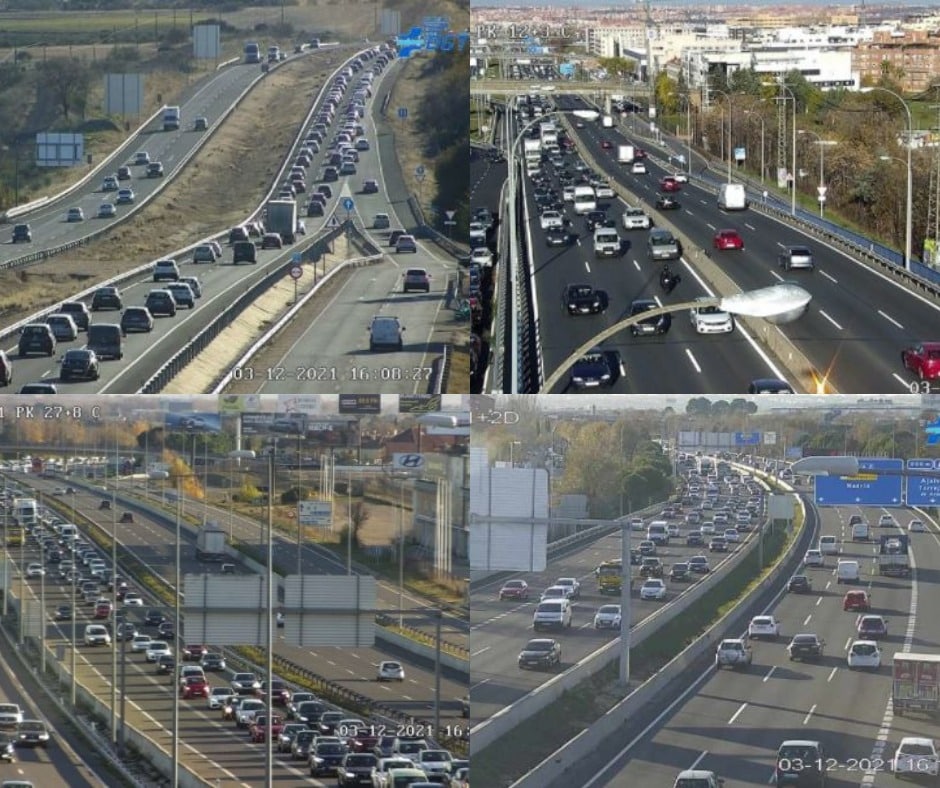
[36,338]
[659,324]
[540,653]
[582,299]
[63,613]
[699,565]
[314,208]
[597,368]
[357,769]
[806,646]
[328,722]
[161,302]
[679,572]
[154,618]
[666,202]
[166,664]
[651,567]
[22,234]
[635,558]
[595,219]
[300,746]
[800,762]
[212,661]
[79,363]
[309,711]
[106,298]
[694,538]
[558,236]
[769,386]
[800,584]
[326,758]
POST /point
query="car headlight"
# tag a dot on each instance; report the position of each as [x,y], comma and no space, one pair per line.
[605,376]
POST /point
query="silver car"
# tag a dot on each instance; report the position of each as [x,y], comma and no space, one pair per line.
[796,257]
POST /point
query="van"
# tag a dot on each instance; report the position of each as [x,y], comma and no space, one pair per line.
[606,242]
[732,197]
[585,200]
[828,545]
[106,339]
[847,572]
[244,251]
[860,531]
[68,531]
[555,613]
[658,532]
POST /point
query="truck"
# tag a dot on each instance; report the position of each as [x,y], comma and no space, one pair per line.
[252,52]
[210,543]
[607,121]
[625,154]
[281,217]
[548,133]
[26,512]
[532,149]
[171,118]
[732,197]
[915,682]
[893,555]
[733,653]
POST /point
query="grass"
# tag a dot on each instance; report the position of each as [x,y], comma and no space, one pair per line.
[500,763]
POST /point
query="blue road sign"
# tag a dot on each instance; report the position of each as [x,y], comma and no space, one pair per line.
[746,438]
[403,112]
[923,490]
[868,488]
[933,433]
[348,203]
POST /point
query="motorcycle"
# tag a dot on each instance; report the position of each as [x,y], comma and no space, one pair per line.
[668,281]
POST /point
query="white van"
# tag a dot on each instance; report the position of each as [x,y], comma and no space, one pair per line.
[847,572]
[585,200]
[732,197]
[860,532]
[658,532]
[68,531]
[551,614]
[828,545]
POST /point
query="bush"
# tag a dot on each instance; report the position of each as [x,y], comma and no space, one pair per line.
[295,494]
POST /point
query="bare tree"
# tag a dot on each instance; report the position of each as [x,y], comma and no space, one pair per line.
[68,80]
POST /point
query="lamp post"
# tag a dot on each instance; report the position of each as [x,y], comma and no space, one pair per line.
[512,463]
[822,166]
[780,303]
[908,220]
[761,119]
[730,123]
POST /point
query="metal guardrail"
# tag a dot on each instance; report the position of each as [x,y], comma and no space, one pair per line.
[441,372]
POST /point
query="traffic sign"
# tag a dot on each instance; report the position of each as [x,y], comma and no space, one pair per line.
[296,272]
[821,191]
[450,214]
[348,203]
[333,222]
[867,488]
[296,258]
[923,490]
[746,438]
[419,170]
[402,112]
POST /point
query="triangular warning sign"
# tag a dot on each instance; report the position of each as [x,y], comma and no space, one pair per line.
[333,222]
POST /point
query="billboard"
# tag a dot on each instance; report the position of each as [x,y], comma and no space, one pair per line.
[55,149]
[123,94]
[360,404]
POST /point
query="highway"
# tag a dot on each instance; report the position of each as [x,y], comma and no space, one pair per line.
[732,722]
[335,342]
[206,744]
[501,628]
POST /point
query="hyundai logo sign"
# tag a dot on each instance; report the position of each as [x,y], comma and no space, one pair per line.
[408,462]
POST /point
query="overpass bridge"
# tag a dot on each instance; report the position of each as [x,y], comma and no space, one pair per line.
[507,87]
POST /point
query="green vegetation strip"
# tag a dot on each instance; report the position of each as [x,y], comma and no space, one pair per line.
[500,763]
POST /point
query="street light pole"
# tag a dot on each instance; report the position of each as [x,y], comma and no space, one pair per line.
[176,636]
[269,754]
[730,123]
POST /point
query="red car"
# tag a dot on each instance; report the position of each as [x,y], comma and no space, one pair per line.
[728,239]
[194,652]
[670,184]
[639,153]
[923,359]
[606,144]
[260,729]
[282,694]
[103,610]
[514,589]
[195,687]
[856,600]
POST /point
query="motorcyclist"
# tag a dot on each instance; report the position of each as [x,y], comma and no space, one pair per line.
[666,278]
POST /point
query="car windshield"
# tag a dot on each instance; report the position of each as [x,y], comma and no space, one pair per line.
[805,640]
[329,749]
[642,306]
[802,753]
[799,251]
[910,748]
[864,649]
[593,358]
[609,610]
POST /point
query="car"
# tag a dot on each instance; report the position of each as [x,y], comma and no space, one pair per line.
[133,599]
[728,239]
[606,144]
[583,299]
[238,233]
[540,653]
[79,363]
[124,173]
[195,687]
[156,649]
[218,697]
[200,124]
[326,758]
[261,730]
[194,284]
[709,318]
[245,711]
[871,627]
[670,184]
[32,733]
[597,367]
[213,661]
[125,197]
[381,221]
[245,684]
[638,167]
[916,755]
[796,257]
[607,617]
[141,158]
[731,535]
[806,646]
[390,671]
[769,386]
[718,544]
[923,359]
[166,269]
[763,627]
[106,298]
[558,236]
[385,332]
[887,521]
[271,241]
[651,566]
[636,219]
[36,338]
[646,547]
[182,295]
[916,527]
[665,202]
[406,243]
[166,629]
[554,592]
[595,219]
[21,234]
[75,215]
[550,219]
[658,324]
[572,584]
[799,584]
[514,589]
[63,327]
[106,211]
[416,279]
[370,186]
[800,762]
[140,643]
[154,617]
[435,763]
[194,652]
[35,570]
[166,664]
[814,558]
[63,613]
[864,654]
[694,538]
[857,600]
[653,589]
[680,177]
[136,318]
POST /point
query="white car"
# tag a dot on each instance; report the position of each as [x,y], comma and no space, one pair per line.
[828,545]
[731,535]
[638,168]
[743,518]
[391,671]
[11,715]
[680,177]
[708,529]
[635,219]
[813,558]
[916,755]
[555,592]
[218,696]
[567,194]
[603,190]
[110,184]
[106,211]
[886,521]
[133,599]
[607,617]
[436,762]
[673,530]
[157,649]
[637,524]
[763,627]
[551,219]
[653,589]
[864,654]
[572,584]
[916,527]
[35,570]
[710,319]
[482,257]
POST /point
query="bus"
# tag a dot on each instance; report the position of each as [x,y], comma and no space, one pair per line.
[585,200]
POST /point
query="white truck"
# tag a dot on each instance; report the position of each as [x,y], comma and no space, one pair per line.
[548,133]
[210,543]
[733,653]
[893,555]
[625,154]
[606,242]
[281,218]
[532,150]
[607,121]
[26,512]
[171,118]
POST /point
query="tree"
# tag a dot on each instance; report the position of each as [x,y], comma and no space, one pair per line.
[360,516]
[667,94]
[68,80]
